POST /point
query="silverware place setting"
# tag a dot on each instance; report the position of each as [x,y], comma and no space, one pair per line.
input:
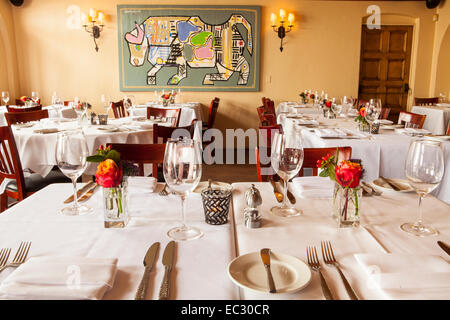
[19,258]
[313,262]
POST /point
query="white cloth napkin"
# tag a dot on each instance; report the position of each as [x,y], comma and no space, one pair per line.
[141,185]
[330,133]
[412,131]
[48,278]
[313,187]
[394,273]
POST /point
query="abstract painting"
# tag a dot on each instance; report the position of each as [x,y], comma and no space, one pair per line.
[196,48]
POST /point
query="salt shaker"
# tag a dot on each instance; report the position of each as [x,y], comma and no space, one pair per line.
[253,199]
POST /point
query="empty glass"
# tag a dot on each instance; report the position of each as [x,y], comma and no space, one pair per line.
[286,159]
[373,110]
[106,102]
[129,103]
[71,153]
[35,97]
[5,97]
[424,169]
[182,170]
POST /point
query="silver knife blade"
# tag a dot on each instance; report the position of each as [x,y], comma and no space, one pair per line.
[149,262]
[265,257]
[80,192]
[167,260]
[444,247]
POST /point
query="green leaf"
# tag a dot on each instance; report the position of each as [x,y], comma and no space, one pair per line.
[323,173]
[113,155]
[95,158]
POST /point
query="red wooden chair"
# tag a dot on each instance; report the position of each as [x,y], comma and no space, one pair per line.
[141,154]
[214,107]
[173,115]
[119,109]
[385,113]
[22,117]
[269,105]
[414,118]
[13,109]
[426,101]
[19,187]
[165,133]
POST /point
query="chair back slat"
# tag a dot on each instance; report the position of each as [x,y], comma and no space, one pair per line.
[413,118]
[172,114]
[426,101]
[13,109]
[385,113]
[141,154]
[22,117]
[213,112]
[118,109]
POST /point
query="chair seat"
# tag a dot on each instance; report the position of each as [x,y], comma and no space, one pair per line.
[36,182]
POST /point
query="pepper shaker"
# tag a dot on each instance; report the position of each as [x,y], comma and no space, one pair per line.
[253,199]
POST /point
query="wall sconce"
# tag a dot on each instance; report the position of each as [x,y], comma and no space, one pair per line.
[95,27]
[281,30]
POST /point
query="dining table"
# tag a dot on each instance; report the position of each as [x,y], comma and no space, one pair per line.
[66,112]
[189,111]
[382,154]
[202,266]
[437,119]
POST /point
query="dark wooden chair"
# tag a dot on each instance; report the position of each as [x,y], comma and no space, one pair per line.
[141,154]
[19,102]
[426,101]
[119,109]
[22,117]
[414,118]
[67,102]
[20,186]
[269,105]
[13,109]
[385,113]
[165,133]
[213,108]
[266,118]
[171,114]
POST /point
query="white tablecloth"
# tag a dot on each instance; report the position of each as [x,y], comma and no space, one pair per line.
[189,111]
[200,265]
[379,233]
[384,154]
[437,118]
[297,107]
[67,112]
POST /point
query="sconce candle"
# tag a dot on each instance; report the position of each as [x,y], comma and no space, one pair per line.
[100,18]
[273,18]
[291,18]
[281,30]
[282,14]
[92,14]
[93,28]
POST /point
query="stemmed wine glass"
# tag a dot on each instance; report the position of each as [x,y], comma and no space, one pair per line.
[35,97]
[424,169]
[106,102]
[71,153]
[57,106]
[373,111]
[286,159]
[129,103]
[5,97]
[182,169]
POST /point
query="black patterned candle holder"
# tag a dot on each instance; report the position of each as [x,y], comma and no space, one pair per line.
[375,128]
[102,119]
[216,204]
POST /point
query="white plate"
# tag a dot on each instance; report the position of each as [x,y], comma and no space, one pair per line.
[401,183]
[215,184]
[290,274]
[107,128]
[385,122]
[392,126]
[24,125]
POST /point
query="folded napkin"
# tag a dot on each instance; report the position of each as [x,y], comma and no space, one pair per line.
[313,187]
[46,130]
[397,275]
[330,133]
[445,105]
[306,122]
[412,131]
[141,185]
[48,278]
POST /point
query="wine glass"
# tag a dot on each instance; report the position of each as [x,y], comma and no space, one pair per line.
[286,160]
[336,107]
[5,97]
[424,169]
[106,102]
[71,153]
[35,97]
[57,105]
[129,103]
[442,98]
[373,111]
[182,170]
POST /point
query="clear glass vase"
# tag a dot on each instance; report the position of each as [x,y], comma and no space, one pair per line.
[364,127]
[347,208]
[115,206]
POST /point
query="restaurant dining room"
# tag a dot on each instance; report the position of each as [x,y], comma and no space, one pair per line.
[248,153]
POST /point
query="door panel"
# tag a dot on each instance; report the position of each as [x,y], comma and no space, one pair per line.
[384,66]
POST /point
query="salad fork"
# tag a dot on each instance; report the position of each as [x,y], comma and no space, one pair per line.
[20,256]
[4,255]
[329,258]
[314,263]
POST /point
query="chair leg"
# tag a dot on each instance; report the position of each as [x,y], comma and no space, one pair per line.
[3,202]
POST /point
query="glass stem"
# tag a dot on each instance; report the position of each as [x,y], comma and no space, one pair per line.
[285,200]
[419,217]
[75,196]
[183,211]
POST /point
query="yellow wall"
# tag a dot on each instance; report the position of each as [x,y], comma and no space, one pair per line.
[322,52]
[8,54]
[440,81]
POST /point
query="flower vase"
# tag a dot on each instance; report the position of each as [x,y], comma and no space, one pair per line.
[172,100]
[165,102]
[364,127]
[115,206]
[348,206]
[328,113]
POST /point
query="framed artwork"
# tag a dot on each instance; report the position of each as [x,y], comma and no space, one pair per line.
[194,48]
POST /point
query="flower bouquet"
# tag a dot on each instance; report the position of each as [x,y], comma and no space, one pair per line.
[347,192]
[166,98]
[110,176]
[27,101]
[361,119]
[306,96]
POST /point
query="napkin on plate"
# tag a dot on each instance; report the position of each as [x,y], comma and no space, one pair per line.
[397,275]
[141,184]
[313,187]
[330,133]
[48,278]
[412,131]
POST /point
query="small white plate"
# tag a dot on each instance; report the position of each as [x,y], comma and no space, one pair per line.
[215,184]
[107,128]
[385,122]
[290,274]
[401,183]
[392,126]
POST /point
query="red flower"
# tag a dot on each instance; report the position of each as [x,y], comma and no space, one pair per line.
[348,174]
[362,112]
[108,174]
[312,96]
[328,104]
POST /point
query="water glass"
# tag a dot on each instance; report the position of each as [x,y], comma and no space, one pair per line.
[5,97]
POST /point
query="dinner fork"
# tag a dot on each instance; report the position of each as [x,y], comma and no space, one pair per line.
[329,258]
[20,256]
[163,192]
[314,263]
[4,255]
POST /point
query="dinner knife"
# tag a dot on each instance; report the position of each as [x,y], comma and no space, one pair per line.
[290,195]
[278,194]
[89,193]
[80,192]
[444,247]
[149,262]
[390,184]
[167,260]
[265,257]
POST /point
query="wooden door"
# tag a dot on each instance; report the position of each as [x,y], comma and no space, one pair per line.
[384,66]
